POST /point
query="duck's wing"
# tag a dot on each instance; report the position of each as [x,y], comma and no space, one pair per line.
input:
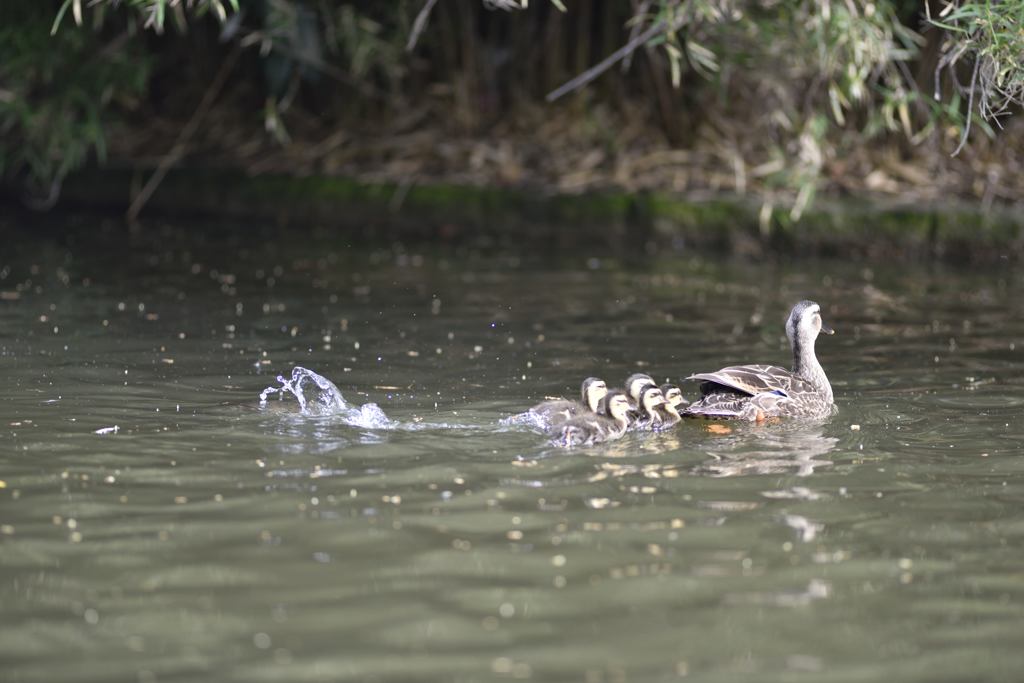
[728,405]
[749,379]
[719,406]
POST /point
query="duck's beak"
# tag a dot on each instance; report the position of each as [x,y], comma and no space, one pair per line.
[826,329]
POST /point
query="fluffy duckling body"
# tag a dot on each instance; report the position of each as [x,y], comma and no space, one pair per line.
[649,409]
[607,423]
[558,411]
[668,415]
[759,392]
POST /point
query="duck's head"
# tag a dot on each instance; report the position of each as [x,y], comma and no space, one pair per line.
[592,391]
[805,324]
[650,399]
[615,405]
[636,384]
[673,394]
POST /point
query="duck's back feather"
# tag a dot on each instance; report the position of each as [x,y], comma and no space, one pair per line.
[752,380]
[754,392]
[729,404]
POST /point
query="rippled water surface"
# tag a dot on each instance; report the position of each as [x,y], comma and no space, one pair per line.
[158,524]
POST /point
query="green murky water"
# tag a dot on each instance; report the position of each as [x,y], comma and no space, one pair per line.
[210,539]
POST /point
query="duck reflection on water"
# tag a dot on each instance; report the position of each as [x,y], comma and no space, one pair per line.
[792,448]
[796,448]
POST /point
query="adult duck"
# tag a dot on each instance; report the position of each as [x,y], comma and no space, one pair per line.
[759,392]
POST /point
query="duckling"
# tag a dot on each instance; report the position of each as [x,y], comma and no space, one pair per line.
[669,412]
[558,411]
[608,423]
[634,385]
[649,413]
[674,395]
[760,392]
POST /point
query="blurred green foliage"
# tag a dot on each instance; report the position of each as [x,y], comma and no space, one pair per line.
[55,94]
[154,13]
[801,80]
[60,84]
[989,35]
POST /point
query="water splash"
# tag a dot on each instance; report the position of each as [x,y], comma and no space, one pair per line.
[525,420]
[318,396]
[325,399]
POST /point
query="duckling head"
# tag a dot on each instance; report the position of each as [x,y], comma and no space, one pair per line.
[636,384]
[615,405]
[650,399]
[673,394]
[592,391]
[805,324]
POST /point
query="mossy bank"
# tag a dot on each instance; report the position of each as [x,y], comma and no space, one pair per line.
[368,212]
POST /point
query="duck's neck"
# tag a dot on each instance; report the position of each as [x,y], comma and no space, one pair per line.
[806,365]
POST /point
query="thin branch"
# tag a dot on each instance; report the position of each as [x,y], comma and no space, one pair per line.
[639,11]
[419,24]
[189,129]
[948,62]
[970,108]
[610,61]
